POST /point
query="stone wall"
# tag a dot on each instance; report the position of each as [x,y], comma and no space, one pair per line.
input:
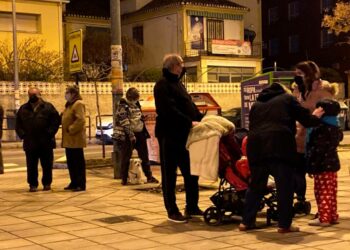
[226,94]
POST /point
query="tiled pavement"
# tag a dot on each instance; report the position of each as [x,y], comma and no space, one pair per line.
[111,216]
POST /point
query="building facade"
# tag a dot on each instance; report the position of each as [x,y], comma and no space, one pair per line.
[293,32]
[38,19]
[210,35]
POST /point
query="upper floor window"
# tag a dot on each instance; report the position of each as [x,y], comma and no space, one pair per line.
[326,5]
[273,15]
[137,34]
[274,47]
[327,38]
[293,10]
[24,22]
[294,44]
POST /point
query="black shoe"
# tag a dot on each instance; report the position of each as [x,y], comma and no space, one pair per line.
[78,189]
[46,188]
[124,182]
[193,213]
[152,180]
[33,189]
[177,218]
[69,187]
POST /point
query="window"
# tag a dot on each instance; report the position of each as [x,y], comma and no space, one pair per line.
[293,10]
[137,34]
[274,46]
[229,74]
[273,15]
[24,22]
[326,5]
[294,44]
[327,38]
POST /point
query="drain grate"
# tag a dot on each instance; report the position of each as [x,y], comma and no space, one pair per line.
[118,219]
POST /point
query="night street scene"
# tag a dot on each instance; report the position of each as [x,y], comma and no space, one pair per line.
[175,124]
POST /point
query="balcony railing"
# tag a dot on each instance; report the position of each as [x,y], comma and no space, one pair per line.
[256,50]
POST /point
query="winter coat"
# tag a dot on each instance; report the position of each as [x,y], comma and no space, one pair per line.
[122,130]
[37,128]
[272,126]
[174,107]
[310,103]
[73,125]
[321,149]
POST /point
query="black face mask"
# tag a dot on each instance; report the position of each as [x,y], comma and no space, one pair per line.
[301,86]
[33,99]
[183,72]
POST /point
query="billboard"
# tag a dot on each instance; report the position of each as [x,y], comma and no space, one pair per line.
[231,47]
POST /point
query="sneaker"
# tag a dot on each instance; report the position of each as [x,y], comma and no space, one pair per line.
[193,213]
[46,188]
[177,218]
[33,189]
[152,180]
[291,229]
[317,223]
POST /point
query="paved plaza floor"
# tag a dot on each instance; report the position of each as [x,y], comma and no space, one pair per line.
[111,216]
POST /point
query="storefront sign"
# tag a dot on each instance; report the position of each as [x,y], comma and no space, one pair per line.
[231,47]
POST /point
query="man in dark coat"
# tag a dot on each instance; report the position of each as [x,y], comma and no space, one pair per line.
[271,150]
[176,114]
[37,122]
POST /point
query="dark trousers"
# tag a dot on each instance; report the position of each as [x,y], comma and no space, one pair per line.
[173,154]
[45,155]
[300,179]
[76,167]
[283,174]
[126,152]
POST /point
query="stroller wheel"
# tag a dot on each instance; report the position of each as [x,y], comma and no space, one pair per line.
[302,207]
[307,208]
[212,216]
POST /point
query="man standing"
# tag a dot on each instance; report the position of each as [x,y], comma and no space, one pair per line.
[37,122]
[176,114]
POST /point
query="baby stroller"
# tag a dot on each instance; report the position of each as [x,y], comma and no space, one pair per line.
[234,177]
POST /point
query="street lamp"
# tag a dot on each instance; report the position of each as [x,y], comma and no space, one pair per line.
[116,74]
[15,56]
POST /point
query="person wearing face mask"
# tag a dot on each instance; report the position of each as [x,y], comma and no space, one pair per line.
[37,122]
[176,114]
[74,138]
[130,132]
[310,90]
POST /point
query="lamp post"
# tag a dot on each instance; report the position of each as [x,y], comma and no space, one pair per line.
[116,74]
[15,56]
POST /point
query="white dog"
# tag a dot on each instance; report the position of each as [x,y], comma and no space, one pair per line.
[136,175]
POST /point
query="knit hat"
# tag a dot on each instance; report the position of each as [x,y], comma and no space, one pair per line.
[330,107]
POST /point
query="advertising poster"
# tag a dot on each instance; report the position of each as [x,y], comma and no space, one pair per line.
[250,90]
[231,47]
[196,35]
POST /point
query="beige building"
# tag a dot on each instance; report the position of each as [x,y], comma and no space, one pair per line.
[209,35]
[39,19]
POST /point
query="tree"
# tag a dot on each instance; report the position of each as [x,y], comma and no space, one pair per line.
[339,21]
[35,63]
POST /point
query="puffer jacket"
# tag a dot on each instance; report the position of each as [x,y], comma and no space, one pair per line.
[321,149]
[37,127]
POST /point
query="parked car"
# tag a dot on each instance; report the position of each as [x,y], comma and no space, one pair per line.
[234,115]
[107,127]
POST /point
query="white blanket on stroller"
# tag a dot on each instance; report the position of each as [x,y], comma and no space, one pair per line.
[203,145]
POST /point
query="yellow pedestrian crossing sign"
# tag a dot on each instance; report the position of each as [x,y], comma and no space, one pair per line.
[76,51]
